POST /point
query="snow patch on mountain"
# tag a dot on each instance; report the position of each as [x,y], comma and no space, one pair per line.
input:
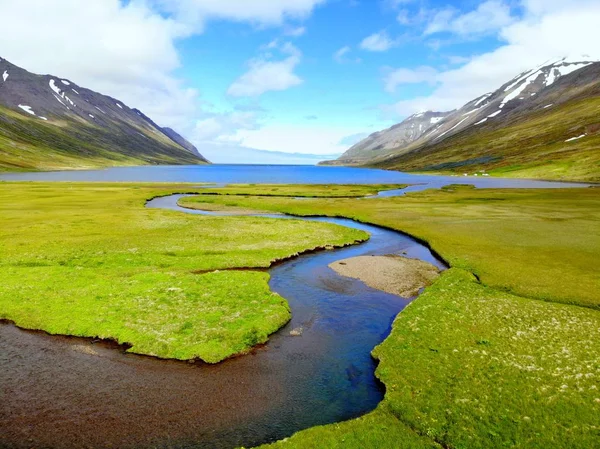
[4,76]
[576,138]
[55,88]
[27,109]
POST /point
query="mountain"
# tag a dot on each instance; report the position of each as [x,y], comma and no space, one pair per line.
[544,123]
[398,136]
[49,123]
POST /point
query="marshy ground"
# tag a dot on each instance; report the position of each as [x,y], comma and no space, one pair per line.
[501,350]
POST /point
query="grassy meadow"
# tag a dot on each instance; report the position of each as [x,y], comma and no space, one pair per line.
[507,361]
[501,351]
[89,260]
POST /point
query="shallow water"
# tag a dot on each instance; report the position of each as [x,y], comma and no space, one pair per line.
[64,392]
[277,174]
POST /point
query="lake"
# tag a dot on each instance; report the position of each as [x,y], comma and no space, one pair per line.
[275,174]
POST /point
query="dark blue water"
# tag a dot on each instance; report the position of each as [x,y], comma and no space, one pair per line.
[276,174]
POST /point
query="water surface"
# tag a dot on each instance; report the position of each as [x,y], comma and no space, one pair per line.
[276,174]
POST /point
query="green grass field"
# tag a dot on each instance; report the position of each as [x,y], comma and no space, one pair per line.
[89,260]
[507,358]
[511,361]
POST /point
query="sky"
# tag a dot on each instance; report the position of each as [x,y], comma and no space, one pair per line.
[291,81]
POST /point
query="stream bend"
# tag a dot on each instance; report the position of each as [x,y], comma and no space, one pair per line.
[64,392]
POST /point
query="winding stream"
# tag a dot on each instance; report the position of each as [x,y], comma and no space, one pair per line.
[64,392]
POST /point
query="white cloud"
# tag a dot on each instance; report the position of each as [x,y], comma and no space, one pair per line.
[489,16]
[302,138]
[548,30]
[397,77]
[223,127]
[377,42]
[295,32]
[341,56]
[265,75]
[260,12]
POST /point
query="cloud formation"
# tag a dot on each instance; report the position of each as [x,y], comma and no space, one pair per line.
[265,75]
[547,29]
[379,42]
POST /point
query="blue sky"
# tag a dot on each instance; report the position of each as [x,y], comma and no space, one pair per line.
[342,91]
[292,81]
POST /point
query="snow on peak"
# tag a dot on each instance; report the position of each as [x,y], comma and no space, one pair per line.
[65,82]
[119,105]
[434,120]
[27,109]
[55,88]
[4,76]
[483,98]
[562,70]
[75,91]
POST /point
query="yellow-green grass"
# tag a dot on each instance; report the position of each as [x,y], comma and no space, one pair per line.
[511,361]
[303,191]
[539,243]
[90,260]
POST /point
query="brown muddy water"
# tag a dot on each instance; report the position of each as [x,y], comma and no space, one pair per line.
[64,392]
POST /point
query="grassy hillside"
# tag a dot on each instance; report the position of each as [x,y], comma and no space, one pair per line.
[90,260]
[28,143]
[527,146]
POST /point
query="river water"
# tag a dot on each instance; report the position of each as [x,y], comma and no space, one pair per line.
[61,392]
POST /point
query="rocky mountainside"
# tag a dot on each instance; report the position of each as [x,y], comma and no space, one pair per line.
[541,96]
[398,136]
[48,122]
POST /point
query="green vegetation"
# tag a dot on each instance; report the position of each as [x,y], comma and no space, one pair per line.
[28,143]
[507,361]
[532,146]
[511,361]
[303,191]
[90,260]
[536,243]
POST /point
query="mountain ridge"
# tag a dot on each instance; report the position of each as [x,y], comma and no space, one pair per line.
[49,122]
[529,95]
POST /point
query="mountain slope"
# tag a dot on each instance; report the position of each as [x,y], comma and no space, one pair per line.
[48,122]
[401,135]
[523,129]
